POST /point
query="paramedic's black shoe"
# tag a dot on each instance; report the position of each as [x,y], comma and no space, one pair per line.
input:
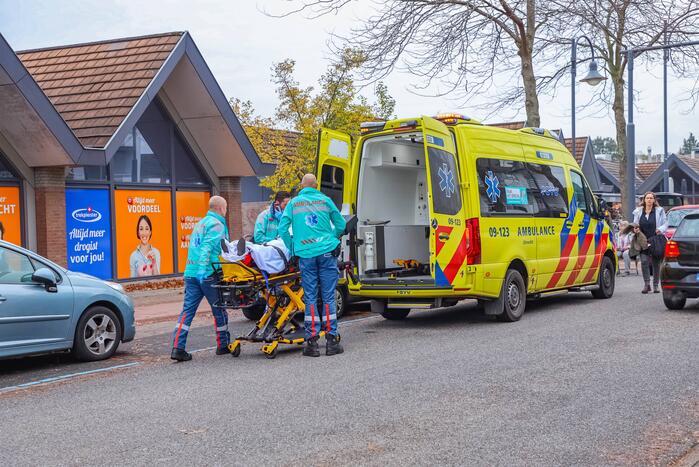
[332,345]
[222,350]
[224,246]
[311,348]
[240,247]
[180,355]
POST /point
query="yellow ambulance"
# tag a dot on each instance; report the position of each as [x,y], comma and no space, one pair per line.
[450,209]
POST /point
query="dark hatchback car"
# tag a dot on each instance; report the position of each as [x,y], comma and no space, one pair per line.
[679,273]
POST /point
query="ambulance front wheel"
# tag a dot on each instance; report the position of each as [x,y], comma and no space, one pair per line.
[509,306]
[605,281]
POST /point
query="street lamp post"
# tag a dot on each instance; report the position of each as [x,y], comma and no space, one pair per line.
[630,127]
[593,78]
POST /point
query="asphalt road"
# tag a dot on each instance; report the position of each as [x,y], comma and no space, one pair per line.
[577,381]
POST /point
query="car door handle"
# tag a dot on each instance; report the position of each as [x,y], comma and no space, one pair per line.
[2,299]
[569,224]
[443,237]
[581,225]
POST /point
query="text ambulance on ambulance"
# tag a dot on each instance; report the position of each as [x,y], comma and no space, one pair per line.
[451,209]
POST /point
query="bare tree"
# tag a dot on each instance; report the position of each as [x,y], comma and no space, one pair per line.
[617,25]
[477,48]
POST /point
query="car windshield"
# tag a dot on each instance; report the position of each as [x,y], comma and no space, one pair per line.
[675,217]
[689,227]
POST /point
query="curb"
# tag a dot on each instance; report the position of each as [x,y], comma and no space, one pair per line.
[690,459]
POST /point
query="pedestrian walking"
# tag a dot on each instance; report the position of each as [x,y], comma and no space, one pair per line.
[204,249]
[317,226]
[651,221]
[267,223]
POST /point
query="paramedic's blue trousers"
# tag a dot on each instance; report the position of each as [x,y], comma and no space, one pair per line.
[319,270]
[194,292]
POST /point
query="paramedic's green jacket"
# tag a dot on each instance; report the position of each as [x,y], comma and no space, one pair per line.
[205,245]
[315,221]
[267,225]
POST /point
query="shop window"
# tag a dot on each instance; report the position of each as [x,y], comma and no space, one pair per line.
[87,173]
[506,188]
[186,171]
[137,162]
[6,172]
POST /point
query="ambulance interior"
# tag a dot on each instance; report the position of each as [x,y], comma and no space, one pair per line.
[393,210]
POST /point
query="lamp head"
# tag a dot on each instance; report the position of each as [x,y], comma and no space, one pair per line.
[593,77]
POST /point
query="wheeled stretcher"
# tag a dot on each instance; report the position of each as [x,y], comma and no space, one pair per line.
[240,285]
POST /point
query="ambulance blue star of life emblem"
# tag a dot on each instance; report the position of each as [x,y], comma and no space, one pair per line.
[493,190]
[446,180]
[312,220]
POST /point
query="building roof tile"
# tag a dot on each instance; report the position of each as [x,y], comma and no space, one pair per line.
[94,86]
[646,169]
[580,144]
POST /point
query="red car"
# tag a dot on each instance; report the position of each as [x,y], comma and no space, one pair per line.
[675,216]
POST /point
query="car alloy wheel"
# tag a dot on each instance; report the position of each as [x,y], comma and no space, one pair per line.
[100,334]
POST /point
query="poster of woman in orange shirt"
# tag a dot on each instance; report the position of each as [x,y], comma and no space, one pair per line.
[145,260]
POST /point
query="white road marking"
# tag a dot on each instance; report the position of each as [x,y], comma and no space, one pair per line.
[55,379]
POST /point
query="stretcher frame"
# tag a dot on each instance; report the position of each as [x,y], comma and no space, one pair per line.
[283,296]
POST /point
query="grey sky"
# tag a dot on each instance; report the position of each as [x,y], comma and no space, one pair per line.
[240,44]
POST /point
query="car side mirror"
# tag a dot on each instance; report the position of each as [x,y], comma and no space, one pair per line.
[45,277]
[601,207]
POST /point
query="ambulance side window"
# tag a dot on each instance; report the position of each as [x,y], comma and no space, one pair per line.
[444,177]
[507,188]
[332,181]
[551,184]
[582,194]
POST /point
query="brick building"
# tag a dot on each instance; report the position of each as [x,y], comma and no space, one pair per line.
[110,150]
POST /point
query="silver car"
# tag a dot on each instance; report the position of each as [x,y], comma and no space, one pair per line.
[46,308]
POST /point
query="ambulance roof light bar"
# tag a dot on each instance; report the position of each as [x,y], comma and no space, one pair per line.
[453,118]
[539,132]
[370,127]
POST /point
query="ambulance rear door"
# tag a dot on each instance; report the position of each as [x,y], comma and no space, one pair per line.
[334,173]
[450,237]
[334,160]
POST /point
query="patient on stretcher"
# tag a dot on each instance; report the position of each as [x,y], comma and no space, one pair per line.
[271,257]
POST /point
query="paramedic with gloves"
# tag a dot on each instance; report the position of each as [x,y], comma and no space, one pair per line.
[267,221]
[317,226]
[204,248]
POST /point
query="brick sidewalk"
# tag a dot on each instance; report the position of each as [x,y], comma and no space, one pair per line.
[153,306]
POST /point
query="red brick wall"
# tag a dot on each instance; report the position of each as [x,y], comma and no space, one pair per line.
[230,190]
[50,196]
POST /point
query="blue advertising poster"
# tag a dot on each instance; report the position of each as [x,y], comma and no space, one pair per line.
[88,229]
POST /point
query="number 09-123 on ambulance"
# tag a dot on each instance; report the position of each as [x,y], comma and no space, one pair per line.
[450,209]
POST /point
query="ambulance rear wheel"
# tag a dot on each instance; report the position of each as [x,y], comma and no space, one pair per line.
[605,281]
[509,307]
[395,314]
[379,306]
[340,301]
[255,311]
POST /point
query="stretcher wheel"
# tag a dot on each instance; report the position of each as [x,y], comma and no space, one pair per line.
[236,351]
[273,354]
